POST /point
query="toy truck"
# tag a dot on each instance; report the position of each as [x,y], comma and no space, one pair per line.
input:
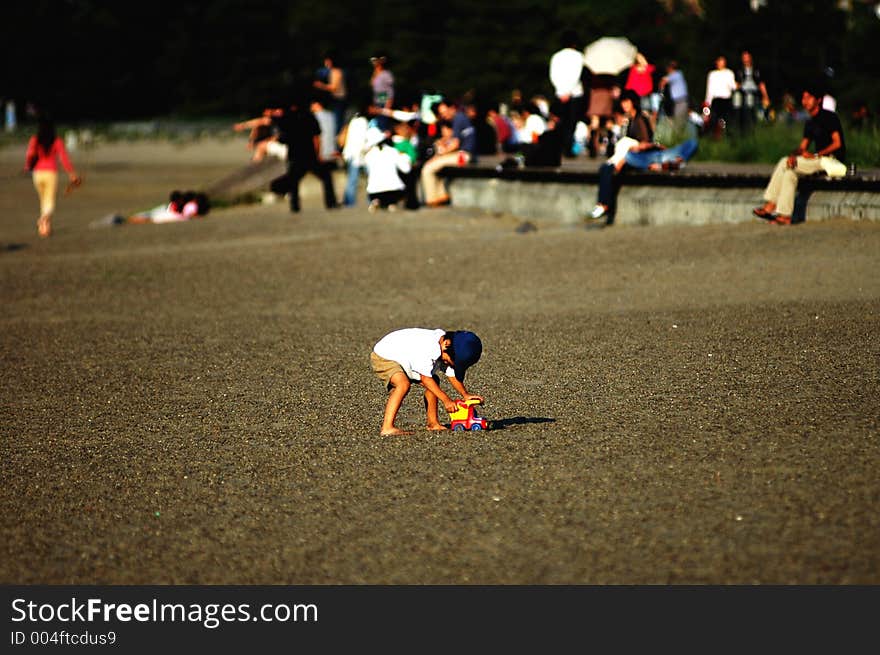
[466,416]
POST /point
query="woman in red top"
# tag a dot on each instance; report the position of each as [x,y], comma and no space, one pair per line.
[641,80]
[43,151]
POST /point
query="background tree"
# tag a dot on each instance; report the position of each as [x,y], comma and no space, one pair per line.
[102,60]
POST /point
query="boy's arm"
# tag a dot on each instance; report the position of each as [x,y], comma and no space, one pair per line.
[429,384]
[458,385]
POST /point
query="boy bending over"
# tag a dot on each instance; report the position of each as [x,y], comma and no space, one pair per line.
[415,355]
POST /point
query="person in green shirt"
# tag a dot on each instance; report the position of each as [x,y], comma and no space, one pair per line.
[404,135]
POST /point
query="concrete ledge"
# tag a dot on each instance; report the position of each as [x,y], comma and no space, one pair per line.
[681,197]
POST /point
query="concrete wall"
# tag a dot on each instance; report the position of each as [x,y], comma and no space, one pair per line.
[643,205]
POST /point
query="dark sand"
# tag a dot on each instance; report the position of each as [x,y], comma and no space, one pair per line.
[193,403]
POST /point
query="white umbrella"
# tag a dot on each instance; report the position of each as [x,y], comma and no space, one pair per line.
[609,55]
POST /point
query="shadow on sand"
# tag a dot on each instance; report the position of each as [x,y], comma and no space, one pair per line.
[503,423]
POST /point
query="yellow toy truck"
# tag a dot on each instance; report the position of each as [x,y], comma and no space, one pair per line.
[466,416]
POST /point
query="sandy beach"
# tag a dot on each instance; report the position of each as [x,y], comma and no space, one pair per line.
[193,403]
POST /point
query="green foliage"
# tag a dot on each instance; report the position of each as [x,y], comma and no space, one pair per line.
[770,141]
[765,144]
[863,147]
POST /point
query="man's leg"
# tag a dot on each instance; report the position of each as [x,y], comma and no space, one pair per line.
[389,199]
[412,196]
[339,114]
[322,170]
[683,151]
[295,174]
[788,186]
[578,114]
[774,187]
[606,197]
[668,159]
[606,188]
[642,160]
[433,186]
[566,126]
[400,385]
[680,113]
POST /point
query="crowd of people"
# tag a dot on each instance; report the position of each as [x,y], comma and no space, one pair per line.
[588,115]
[400,143]
[389,140]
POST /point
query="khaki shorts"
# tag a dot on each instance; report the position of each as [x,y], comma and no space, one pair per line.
[385,368]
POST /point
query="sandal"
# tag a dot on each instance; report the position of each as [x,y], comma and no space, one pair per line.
[760,212]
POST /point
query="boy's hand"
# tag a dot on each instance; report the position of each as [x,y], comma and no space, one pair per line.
[449,405]
[471,396]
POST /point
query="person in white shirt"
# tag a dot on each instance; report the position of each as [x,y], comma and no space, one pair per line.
[417,355]
[354,143]
[720,85]
[566,69]
[529,125]
[384,163]
[327,123]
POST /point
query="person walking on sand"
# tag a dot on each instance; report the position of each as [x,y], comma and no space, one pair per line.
[44,150]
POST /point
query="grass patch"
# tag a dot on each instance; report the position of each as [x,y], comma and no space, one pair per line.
[770,141]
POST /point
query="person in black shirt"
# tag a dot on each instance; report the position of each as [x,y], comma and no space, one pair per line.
[824,131]
[753,92]
[299,130]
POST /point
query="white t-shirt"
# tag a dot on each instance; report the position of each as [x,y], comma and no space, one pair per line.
[164,214]
[720,83]
[534,127]
[415,349]
[167,217]
[355,140]
[566,67]
[382,163]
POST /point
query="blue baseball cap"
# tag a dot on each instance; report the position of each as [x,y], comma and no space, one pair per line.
[467,348]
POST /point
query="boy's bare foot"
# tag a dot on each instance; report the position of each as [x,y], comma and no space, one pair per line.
[437,427]
[394,432]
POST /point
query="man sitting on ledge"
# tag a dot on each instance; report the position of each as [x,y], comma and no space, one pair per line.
[824,130]
[463,151]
